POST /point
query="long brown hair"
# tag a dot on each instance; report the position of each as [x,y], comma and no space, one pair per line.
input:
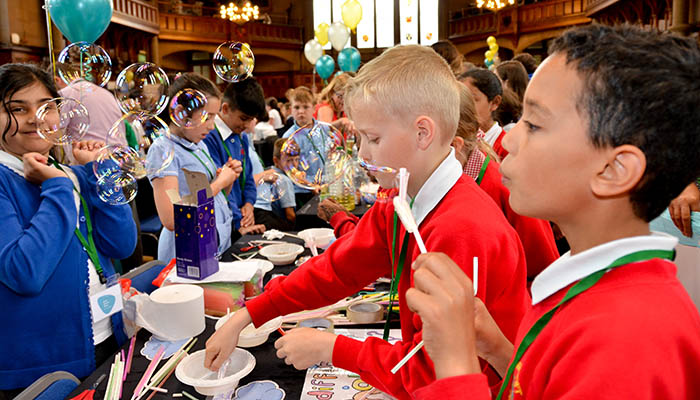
[468,126]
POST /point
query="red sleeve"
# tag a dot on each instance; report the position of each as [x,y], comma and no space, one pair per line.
[473,387]
[331,276]
[343,222]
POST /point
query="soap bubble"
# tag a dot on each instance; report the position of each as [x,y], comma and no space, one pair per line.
[117,188]
[270,187]
[113,159]
[187,108]
[233,61]
[84,60]
[62,121]
[147,131]
[142,88]
[314,157]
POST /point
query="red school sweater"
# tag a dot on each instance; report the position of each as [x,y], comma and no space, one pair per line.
[634,335]
[498,146]
[535,234]
[364,254]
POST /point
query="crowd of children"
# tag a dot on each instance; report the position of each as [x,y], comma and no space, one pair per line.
[598,141]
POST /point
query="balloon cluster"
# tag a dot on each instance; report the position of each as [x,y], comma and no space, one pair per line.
[491,54]
[338,34]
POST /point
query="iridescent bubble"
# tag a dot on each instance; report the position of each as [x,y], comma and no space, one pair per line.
[269,187]
[114,158]
[62,121]
[117,188]
[233,61]
[147,131]
[142,88]
[314,157]
[376,168]
[187,108]
[83,60]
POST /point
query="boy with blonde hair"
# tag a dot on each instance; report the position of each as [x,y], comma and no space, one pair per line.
[405,105]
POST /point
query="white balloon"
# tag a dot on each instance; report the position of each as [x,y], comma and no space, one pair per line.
[338,34]
[313,51]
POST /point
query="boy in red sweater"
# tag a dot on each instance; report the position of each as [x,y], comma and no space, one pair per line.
[608,137]
[404,103]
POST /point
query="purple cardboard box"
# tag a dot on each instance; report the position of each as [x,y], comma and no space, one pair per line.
[195,230]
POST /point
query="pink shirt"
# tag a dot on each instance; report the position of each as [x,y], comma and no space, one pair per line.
[102,108]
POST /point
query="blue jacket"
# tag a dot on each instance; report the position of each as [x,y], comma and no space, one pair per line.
[243,190]
[47,324]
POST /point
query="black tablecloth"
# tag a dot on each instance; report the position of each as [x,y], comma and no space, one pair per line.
[307,216]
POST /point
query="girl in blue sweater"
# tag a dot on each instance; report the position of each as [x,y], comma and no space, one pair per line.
[46,273]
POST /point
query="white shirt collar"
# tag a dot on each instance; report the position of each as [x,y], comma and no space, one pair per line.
[569,269]
[436,187]
[223,129]
[492,134]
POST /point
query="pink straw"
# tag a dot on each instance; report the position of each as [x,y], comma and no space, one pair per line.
[131,353]
[149,371]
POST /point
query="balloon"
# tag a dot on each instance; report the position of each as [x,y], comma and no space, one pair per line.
[487,62]
[81,20]
[490,40]
[489,55]
[322,33]
[349,60]
[493,47]
[351,11]
[313,51]
[497,60]
[339,35]
[325,66]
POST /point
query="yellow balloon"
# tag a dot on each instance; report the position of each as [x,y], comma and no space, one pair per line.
[352,14]
[322,33]
[490,40]
[489,55]
[494,47]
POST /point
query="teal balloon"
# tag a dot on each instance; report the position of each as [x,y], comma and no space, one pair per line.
[349,59]
[325,66]
[81,20]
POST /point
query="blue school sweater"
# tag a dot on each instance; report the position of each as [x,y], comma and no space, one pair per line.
[47,324]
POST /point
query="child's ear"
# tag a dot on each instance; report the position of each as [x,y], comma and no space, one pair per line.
[427,130]
[493,106]
[458,144]
[622,172]
[225,108]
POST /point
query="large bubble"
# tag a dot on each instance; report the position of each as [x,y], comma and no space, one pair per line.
[117,188]
[315,156]
[233,61]
[83,60]
[142,88]
[62,121]
[188,108]
[270,187]
[133,161]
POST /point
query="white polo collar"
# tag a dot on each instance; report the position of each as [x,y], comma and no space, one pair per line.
[223,129]
[492,134]
[436,187]
[569,269]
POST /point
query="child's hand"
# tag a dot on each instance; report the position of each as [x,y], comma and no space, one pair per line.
[222,343]
[443,297]
[226,176]
[682,206]
[36,169]
[252,230]
[86,151]
[269,175]
[305,347]
[247,216]
[328,208]
[235,165]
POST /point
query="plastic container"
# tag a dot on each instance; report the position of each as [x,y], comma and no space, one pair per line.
[191,372]
[322,237]
[251,336]
[281,254]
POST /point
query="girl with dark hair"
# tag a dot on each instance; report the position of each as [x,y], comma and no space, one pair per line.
[56,242]
[273,112]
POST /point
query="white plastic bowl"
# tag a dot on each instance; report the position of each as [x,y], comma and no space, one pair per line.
[321,236]
[251,336]
[281,254]
[191,372]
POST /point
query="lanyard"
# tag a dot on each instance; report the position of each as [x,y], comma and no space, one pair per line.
[211,176]
[577,289]
[395,278]
[243,157]
[483,170]
[88,244]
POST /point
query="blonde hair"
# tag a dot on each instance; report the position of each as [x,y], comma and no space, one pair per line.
[406,82]
[302,94]
[337,85]
[468,126]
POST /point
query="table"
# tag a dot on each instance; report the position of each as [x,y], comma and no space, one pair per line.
[307,215]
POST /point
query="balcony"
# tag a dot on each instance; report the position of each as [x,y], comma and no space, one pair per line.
[136,14]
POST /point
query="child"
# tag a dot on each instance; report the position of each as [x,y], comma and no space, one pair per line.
[243,102]
[50,215]
[422,100]
[190,153]
[608,138]
[279,213]
[487,93]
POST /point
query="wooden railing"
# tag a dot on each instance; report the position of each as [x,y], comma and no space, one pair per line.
[136,14]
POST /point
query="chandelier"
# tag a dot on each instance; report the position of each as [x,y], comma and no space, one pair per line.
[494,5]
[239,14]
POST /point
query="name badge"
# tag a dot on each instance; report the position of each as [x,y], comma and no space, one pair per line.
[106,303]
